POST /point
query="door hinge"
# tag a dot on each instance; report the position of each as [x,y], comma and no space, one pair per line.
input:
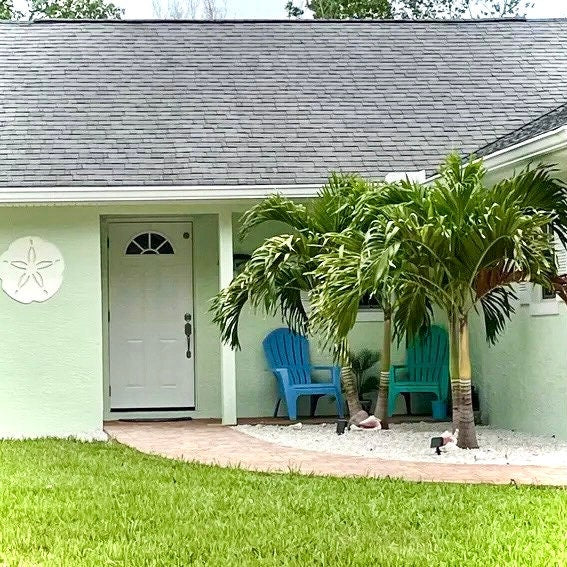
[109,315]
[109,390]
[108,241]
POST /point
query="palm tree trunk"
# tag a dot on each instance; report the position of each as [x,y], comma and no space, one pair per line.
[454,367]
[383,384]
[351,393]
[467,434]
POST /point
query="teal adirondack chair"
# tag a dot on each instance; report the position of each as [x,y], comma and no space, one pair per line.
[426,369]
[287,354]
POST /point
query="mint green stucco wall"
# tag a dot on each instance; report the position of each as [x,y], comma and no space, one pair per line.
[53,360]
[50,360]
[523,378]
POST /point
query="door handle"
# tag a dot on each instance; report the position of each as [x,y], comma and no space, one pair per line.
[188,332]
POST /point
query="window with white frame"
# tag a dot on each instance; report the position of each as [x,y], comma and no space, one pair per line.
[540,300]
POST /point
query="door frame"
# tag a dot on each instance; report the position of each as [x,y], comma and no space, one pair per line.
[105,222]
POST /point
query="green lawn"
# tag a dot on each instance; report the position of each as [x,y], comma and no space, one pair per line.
[66,503]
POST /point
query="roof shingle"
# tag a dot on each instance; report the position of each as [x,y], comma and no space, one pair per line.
[206,103]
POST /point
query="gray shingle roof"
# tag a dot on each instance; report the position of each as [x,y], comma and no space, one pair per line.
[546,123]
[124,103]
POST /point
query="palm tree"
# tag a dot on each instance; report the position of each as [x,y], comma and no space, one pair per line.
[461,246]
[282,269]
[345,273]
[334,302]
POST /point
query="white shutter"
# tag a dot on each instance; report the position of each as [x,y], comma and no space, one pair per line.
[524,292]
[560,257]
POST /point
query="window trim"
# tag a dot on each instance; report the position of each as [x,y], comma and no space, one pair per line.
[151,251]
[540,306]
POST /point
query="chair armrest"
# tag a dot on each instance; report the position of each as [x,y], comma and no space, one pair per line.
[282,374]
[395,369]
[329,368]
[335,373]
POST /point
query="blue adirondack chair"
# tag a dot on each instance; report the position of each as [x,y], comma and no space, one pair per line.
[288,358]
[426,369]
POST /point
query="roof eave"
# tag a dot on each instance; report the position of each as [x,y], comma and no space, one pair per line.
[148,193]
[523,152]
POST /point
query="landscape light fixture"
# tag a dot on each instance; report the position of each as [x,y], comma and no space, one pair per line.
[437,442]
[341,426]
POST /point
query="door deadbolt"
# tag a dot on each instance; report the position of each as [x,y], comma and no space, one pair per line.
[188,331]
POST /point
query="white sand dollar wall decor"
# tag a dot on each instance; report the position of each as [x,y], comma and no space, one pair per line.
[31,269]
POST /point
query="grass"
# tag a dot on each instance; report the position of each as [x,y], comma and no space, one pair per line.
[66,503]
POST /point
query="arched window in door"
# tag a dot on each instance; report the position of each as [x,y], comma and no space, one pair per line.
[149,243]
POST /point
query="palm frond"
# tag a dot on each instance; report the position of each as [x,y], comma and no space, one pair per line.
[363,360]
[414,311]
[375,203]
[333,209]
[272,281]
[227,307]
[559,284]
[275,208]
[501,274]
[335,298]
[536,189]
[460,242]
[497,310]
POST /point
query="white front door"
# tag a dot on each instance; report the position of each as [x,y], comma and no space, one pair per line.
[150,328]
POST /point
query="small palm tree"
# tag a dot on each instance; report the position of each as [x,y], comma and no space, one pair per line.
[341,282]
[361,362]
[461,246]
[282,269]
[345,273]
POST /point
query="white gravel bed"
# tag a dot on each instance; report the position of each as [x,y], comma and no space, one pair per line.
[410,442]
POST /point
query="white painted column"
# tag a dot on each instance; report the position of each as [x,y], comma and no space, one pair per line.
[228,357]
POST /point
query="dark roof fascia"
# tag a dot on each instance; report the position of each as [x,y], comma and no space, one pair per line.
[515,136]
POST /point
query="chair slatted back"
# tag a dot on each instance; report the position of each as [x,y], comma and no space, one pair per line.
[286,349]
[428,357]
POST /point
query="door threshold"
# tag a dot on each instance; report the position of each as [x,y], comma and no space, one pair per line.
[147,419]
[133,410]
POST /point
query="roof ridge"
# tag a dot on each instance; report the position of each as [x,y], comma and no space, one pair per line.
[290,21]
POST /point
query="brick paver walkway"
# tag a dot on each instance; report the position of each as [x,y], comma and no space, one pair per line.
[214,444]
